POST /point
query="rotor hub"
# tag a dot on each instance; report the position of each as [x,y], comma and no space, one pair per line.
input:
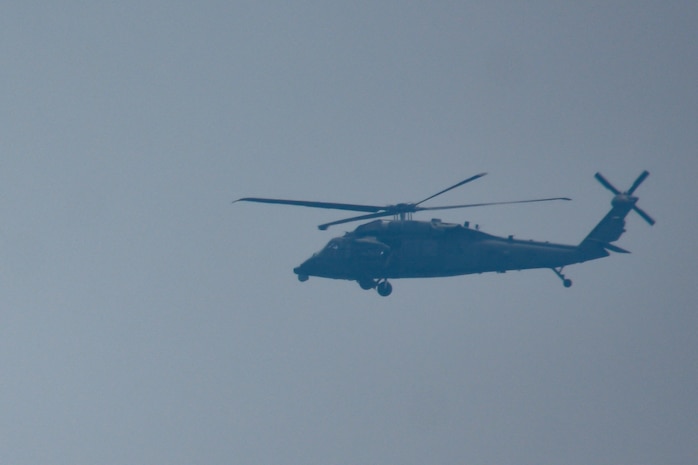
[623,200]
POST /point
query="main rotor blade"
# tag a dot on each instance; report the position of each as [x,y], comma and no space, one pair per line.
[486,204]
[312,204]
[638,181]
[371,216]
[644,215]
[465,181]
[604,182]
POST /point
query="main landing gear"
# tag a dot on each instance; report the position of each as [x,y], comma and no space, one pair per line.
[382,286]
[565,281]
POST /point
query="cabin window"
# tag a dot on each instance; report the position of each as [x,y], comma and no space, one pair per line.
[371,252]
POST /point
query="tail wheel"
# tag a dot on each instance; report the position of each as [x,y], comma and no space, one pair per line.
[565,280]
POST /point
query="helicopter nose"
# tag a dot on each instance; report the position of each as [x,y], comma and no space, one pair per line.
[304,269]
[302,272]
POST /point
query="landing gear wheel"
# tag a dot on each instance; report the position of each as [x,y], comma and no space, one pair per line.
[302,277]
[565,281]
[384,288]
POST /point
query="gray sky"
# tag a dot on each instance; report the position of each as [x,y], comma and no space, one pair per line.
[144,319]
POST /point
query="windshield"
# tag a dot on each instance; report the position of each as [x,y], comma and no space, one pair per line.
[335,248]
[333,245]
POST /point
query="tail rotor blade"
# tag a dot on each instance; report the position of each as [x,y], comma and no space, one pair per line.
[644,215]
[638,181]
[604,182]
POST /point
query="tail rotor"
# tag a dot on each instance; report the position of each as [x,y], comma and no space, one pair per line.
[627,196]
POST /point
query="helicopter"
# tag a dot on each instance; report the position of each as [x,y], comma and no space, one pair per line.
[380,250]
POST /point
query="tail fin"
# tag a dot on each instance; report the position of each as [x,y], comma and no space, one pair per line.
[612,226]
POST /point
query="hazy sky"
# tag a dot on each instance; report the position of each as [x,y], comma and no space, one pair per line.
[145,319]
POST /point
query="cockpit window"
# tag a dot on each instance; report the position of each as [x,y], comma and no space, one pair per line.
[333,245]
[336,248]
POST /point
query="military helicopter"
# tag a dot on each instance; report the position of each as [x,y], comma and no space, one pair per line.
[405,248]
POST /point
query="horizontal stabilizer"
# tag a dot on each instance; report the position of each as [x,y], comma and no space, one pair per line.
[614,248]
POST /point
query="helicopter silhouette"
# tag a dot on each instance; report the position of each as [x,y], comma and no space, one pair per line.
[382,249]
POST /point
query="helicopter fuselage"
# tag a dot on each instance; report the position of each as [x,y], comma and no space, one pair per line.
[420,249]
